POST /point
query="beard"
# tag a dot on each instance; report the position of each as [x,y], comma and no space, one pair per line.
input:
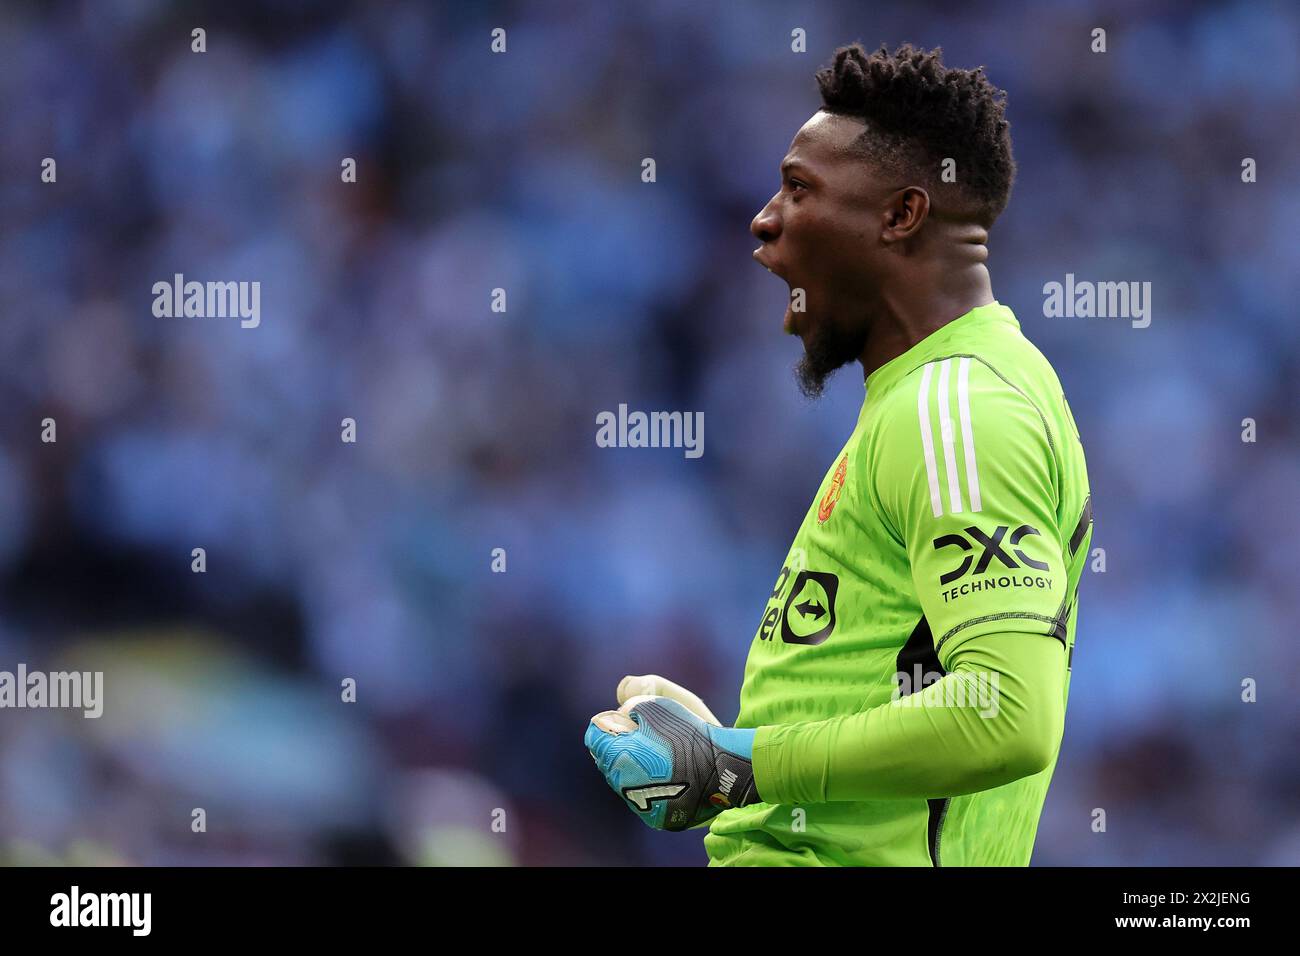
[829,347]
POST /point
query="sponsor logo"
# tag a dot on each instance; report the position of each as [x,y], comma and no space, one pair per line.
[991,548]
[993,582]
[809,614]
[980,562]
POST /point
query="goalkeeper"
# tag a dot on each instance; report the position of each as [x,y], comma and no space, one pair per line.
[904,696]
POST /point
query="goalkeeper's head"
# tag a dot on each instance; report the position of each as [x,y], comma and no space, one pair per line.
[887,192]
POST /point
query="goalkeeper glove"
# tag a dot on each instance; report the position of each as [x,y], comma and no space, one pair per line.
[672,764]
[653,685]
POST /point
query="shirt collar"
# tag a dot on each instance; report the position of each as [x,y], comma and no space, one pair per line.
[883,378]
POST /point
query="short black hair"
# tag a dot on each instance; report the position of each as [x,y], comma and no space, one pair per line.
[918,113]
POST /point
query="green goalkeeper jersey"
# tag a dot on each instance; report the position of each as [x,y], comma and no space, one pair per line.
[957,510]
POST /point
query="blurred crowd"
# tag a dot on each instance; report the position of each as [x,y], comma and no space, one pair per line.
[373,561]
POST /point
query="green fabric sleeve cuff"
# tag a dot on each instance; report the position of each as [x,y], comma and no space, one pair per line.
[780,775]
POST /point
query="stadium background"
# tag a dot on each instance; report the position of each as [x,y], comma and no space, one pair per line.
[476,429]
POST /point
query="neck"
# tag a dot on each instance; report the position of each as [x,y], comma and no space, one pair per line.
[923,299]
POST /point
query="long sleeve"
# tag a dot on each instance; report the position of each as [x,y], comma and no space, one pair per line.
[997,715]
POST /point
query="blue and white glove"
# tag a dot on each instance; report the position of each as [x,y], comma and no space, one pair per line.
[666,756]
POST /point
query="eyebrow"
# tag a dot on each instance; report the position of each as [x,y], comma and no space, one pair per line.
[806,171]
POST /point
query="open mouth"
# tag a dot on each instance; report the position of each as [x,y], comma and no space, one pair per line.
[762,260]
[788,323]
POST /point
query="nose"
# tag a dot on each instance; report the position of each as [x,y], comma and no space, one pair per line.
[766,226]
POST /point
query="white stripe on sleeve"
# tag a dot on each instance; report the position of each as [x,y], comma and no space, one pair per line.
[927,439]
[968,435]
[945,429]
